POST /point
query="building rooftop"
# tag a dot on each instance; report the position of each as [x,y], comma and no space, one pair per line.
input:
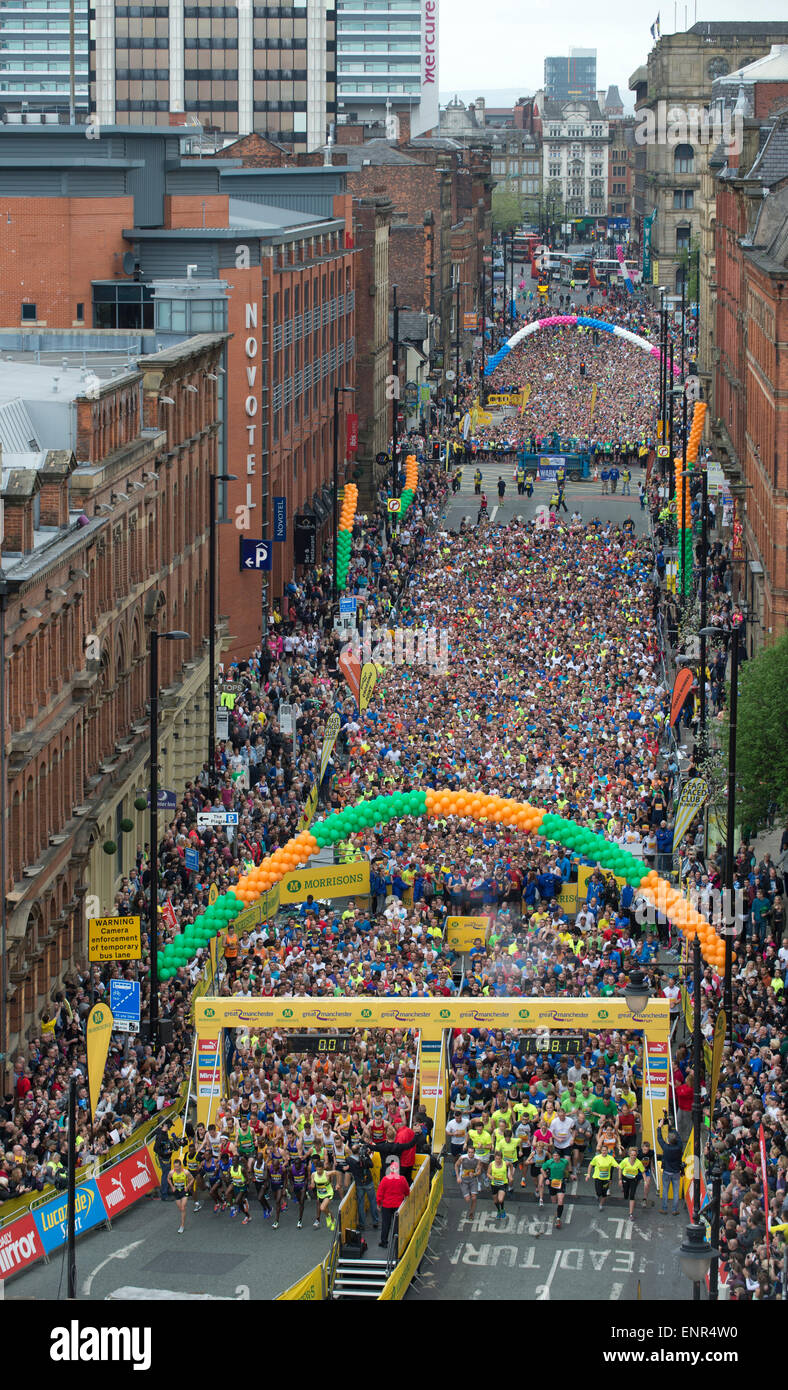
[553,110]
[266,217]
[719,29]
[773,67]
[372,152]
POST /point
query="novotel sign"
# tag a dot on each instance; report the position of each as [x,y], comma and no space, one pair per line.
[430,40]
[251,349]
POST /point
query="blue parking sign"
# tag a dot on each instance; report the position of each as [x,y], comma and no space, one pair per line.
[255,554]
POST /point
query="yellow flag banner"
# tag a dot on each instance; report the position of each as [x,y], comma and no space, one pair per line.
[525,395]
[717,1049]
[369,675]
[693,797]
[310,807]
[99,1032]
[330,737]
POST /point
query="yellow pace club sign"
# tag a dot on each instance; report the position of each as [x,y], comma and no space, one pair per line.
[369,675]
[463,932]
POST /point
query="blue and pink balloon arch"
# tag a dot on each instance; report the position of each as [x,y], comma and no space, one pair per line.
[571,321]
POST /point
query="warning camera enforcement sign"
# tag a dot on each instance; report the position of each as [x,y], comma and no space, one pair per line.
[114,938]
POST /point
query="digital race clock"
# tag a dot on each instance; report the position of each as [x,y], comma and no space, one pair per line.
[319,1042]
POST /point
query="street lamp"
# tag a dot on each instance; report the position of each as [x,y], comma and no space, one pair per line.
[176,635]
[695,1256]
[716,1202]
[637,993]
[697,1062]
[729,927]
[213,479]
[337,390]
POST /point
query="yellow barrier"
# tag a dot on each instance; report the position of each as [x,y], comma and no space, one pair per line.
[348,1212]
[412,1209]
[310,1289]
[461,932]
[397,1283]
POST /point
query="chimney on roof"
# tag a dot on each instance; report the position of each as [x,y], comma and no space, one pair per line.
[403,124]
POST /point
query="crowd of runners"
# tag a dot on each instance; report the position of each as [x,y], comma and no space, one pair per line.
[555,692]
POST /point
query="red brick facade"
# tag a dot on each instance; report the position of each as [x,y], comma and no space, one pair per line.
[71,711]
[751,406]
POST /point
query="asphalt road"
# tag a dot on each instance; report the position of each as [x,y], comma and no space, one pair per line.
[597,1256]
[584,497]
[216,1255]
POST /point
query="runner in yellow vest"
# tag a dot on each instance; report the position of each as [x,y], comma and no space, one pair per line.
[500,1175]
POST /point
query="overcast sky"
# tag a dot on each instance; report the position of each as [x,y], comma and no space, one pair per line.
[503,43]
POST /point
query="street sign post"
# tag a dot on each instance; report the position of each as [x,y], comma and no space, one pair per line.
[192,858]
[114,938]
[205,818]
[125,1003]
[348,604]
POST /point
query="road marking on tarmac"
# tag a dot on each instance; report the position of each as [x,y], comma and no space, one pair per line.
[121,1254]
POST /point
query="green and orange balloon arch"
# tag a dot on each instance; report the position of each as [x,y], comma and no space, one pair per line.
[436,805]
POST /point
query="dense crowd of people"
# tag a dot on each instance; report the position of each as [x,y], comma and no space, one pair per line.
[555,693]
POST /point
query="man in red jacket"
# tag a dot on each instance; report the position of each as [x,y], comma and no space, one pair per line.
[407,1158]
[392,1191]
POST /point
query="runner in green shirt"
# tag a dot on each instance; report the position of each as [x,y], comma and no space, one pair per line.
[555,1170]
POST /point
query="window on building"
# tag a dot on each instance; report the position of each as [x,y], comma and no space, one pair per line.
[683,159]
[683,238]
[28,313]
[689,198]
[122,304]
[80,312]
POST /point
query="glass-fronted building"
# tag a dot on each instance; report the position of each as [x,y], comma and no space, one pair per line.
[35,59]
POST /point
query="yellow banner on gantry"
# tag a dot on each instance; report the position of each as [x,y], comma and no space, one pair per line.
[411,1012]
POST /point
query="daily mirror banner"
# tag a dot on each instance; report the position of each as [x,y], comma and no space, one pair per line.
[20,1245]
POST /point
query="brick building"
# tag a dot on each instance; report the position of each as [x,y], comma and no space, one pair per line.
[750,414]
[105,490]
[129,234]
[371,236]
[672,88]
[621,170]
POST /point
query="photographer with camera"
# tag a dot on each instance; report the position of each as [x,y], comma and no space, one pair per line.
[360,1165]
